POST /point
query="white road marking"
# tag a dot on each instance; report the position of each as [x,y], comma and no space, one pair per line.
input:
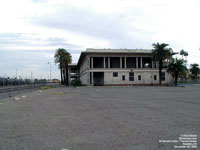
[24,96]
[16,98]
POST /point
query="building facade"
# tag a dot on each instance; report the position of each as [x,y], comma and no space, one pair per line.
[118,67]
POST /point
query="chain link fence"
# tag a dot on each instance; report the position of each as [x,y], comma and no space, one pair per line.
[10,87]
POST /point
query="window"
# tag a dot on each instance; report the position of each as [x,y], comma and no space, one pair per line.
[114,62]
[155,77]
[131,76]
[106,62]
[123,77]
[163,76]
[98,62]
[130,62]
[139,62]
[139,77]
[115,74]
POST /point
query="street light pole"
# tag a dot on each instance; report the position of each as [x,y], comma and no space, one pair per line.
[50,70]
[31,75]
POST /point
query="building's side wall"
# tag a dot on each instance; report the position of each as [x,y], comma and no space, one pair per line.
[84,78]
[84,75]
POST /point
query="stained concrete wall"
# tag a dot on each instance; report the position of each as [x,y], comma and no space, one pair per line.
[84,77]
[84,65]
[147,76]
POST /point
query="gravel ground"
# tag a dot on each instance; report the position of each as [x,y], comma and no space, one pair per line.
[100,118]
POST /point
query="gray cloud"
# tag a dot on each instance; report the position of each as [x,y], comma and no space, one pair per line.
[15,38]
[31,39]
[13,58]
[113,28]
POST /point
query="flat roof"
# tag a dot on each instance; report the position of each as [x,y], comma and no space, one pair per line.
[91,50]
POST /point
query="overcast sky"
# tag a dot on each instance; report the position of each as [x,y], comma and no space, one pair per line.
[31,30]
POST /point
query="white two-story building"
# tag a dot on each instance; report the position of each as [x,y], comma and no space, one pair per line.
[118,67]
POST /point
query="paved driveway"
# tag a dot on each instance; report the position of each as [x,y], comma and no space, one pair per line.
[100,118]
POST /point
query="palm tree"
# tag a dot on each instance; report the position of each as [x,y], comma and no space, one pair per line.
[67,59]
[185,54]
[63,58]
[59,59]
[160,54]
[182,52]
[177,68]
[195,70]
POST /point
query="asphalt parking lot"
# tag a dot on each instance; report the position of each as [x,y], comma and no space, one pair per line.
[100,118]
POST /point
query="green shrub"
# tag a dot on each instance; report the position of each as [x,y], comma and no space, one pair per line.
[76,83]
[47,87]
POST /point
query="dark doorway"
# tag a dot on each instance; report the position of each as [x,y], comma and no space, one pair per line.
[98,78]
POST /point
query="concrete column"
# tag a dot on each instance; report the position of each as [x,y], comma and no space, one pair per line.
[108,62]
[92,79]
[136,62]
[92,62]
[152,65]
[104,62]
[125,62]
[120,62]
[141,61]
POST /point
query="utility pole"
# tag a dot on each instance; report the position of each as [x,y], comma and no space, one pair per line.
[50,70]
[31,76]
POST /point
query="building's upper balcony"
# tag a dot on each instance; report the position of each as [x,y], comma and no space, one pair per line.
[123,62]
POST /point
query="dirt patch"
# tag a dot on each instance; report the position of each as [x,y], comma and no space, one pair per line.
[60,93]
